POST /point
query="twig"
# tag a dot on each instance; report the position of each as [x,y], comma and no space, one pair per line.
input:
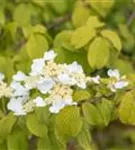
[131,18]
[58,21]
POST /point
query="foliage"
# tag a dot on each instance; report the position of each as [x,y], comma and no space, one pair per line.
[98,35]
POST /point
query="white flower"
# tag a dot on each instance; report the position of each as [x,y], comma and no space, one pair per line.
[120,84]
[50,55]
[60,96]
[39,102]
[2,76]
[19,76]
[117,83]
[64,79]
[37,66]
[95,80]
[72,75]
[18,89]
[75,68]
[51,70]
[31,82]
[45,85]
[113,73]
[16,105]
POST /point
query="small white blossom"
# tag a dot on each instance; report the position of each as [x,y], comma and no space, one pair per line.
[16,105]
[45,85]
[73,75]
[118,82]
[2,76]
[39,102]
[18,89]
[37,66]
[19,76]
[50,55]
[75,68]
[113,73]
[31,82]
[95,80]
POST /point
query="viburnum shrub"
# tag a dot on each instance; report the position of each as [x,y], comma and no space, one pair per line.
[67,75]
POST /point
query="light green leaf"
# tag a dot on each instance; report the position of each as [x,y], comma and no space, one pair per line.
[36,45]
[106,108]
[60,7]
[42,114]
[126,109]
[22,14]
[82,36]
[113,38]
[91,114]
[124,66]
[36,127]
[43,143]
[6,125]
[63,40]
[68,121]
[94,22]
[101,6]
[98,54]
[84,138]
[81,95]
[80,15]
[39,29]
[29,30]
[17,140]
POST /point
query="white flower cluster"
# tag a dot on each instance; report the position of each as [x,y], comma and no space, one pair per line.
[54,81]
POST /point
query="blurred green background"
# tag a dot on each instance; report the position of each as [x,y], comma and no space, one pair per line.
[28,28]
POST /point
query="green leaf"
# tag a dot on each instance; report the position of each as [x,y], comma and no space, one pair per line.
[36,46]
[124,66]
[3,146]
[82,36]
[60,8]
[81,95]
[101,6]
[80,15]
[98,53]
[17,140]
[43,143]
[42,114]
[126,109]
[2,17]
[94,22]
[22,14]
[63,40]
[84,138]
[35,127]
[6,125]
[106,108]
[91,114]
[68,121]
[113,38]
[66,56]
[39,29]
